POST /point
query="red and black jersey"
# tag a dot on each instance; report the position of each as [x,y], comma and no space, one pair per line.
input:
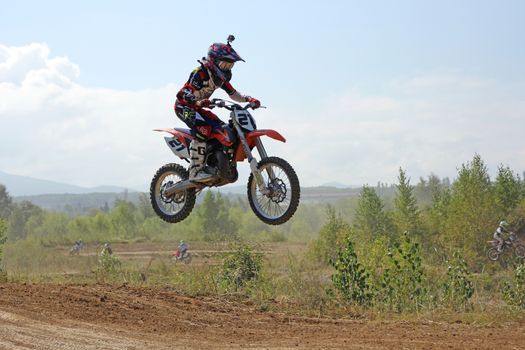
[201,85]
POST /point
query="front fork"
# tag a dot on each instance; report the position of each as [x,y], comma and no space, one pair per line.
[253,162]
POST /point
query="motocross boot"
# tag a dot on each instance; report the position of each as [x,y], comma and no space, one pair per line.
[197,156]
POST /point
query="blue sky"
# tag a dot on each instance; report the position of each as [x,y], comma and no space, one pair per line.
[361,42]
[359,88]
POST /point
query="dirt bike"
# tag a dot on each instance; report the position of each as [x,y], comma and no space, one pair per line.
[273,186]
[106,250]
[176,256]
[76,248]
[511,243]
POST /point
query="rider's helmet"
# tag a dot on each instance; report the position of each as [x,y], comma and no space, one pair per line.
[106,244]
[503,223]
[181,241]
[221,58]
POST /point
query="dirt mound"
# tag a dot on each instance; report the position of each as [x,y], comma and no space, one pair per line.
[45,316]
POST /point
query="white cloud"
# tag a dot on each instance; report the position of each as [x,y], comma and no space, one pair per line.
[30,65]
[424,124]
[54,128]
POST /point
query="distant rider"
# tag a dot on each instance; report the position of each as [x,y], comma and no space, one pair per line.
[78,244]
[214,72]
[106,249]
[498,235]
[183,248]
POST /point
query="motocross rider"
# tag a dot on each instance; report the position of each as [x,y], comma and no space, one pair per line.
[183,248]
[78,244]
[106,249]
[192,99]
[498,235]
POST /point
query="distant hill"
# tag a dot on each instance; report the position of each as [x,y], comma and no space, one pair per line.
[79,203]
[82,203]
[316,193]
[18,185]
[336,185]
[74,199]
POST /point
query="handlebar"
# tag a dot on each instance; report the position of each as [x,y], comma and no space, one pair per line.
[229,105]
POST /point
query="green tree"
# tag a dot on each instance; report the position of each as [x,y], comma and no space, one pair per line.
[425,189]
[370,219]
[144,206]
[226,227]
[20,216]
[471,212]
[3,238]
[435,218]
[325,247]
[51,228]
[212,218]
[406,212]
[122,218]
[100,223]
[507,190]
[5,202]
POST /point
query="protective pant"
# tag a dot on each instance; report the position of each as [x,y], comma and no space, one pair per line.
[197,158]
[500,243]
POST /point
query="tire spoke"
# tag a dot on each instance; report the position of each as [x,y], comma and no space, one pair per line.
[281,202]
[171,208]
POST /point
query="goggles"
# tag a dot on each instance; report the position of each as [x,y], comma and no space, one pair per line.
[224,65]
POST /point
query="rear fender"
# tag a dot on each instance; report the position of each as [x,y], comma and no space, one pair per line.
[179,142]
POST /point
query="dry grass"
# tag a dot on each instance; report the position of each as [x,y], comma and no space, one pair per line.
[291,282]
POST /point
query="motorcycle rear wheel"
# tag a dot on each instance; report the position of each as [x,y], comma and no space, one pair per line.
[493,254]
[281,203]
[173,208]
[186,260]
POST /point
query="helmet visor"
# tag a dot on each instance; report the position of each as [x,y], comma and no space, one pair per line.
[224,65]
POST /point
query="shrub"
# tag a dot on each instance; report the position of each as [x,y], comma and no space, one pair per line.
[514,292]
[107,263]
[351,278]
[240,266]
[3,238]
[402,286]
[458,287]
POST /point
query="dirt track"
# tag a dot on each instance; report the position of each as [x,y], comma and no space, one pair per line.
[122,317]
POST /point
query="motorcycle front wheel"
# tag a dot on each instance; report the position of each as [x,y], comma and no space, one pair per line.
[493,254]
[519,250]
[280,203]
[176,207]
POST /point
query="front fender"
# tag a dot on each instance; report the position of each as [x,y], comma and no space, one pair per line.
[252,136]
